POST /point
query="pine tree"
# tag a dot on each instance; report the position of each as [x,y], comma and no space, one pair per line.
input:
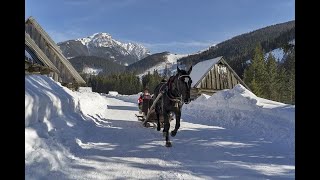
[271,82]
[282,85]
[290,66]
[256,89]
[255,74]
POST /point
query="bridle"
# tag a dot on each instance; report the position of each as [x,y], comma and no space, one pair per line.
[178,97]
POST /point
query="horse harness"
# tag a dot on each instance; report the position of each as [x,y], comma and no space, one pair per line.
[168,88]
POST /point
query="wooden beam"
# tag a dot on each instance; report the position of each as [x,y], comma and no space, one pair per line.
[209,80]
[52,45]
[221,80]
[229,79]
[212,79]
[217,76]
[235,74]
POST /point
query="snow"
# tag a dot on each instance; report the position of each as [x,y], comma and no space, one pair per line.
[172,58]
[26,53]
[85,89]
[201,68]
[113,93]
[239,107]
[85,135]
[84,41]
[135,49]
[292,42]
[277,53]
[105,40]
[92,71]
[170,63]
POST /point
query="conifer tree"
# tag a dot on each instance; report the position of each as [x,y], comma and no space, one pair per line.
[271,82]
[255,74]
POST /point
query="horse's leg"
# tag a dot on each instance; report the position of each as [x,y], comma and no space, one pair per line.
[178,116]
[157,110]
[166,128]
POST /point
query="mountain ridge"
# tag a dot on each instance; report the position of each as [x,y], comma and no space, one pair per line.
[104,46]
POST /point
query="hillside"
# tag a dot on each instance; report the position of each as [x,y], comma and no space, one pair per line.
[83,64]
[147,62]
[164,62]
[239,49]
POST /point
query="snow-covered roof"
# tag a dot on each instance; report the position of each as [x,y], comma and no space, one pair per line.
[200,69]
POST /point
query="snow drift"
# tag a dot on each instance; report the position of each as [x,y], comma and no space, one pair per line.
[53,120]
[49,111]
[239,108]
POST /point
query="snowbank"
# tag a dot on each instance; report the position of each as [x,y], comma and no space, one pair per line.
[241,109]
[46,99]
[50,113]
[129,98]
[85,89]
[113,93]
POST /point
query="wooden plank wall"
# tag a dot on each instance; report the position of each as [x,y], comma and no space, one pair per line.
[215,81]
[64,75]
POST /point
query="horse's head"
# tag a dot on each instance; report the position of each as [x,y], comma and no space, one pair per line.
[184,84]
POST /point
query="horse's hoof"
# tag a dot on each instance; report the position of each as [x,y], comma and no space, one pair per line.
[168,144]
[158,128]
[173,133]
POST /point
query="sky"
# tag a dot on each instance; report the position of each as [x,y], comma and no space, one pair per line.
[177,26]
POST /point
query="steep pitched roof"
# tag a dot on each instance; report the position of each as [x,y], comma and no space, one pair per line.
[53,46]
[38,53]
[201,69]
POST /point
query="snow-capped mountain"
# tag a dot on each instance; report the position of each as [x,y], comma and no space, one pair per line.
[103,45]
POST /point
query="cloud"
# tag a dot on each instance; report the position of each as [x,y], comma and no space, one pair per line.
[178,47]
[178,44]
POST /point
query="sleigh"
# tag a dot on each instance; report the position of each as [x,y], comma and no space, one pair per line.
[148,115]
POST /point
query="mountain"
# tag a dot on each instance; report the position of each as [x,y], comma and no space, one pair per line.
[94,65]
[103,45]
[158,61]
[239,49]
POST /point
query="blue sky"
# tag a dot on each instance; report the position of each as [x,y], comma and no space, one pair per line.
[178,26]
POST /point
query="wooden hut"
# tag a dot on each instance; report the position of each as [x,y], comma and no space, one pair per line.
[36,62]
[213,75]
[49,56]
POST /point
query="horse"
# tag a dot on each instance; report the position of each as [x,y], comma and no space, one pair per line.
[176,92]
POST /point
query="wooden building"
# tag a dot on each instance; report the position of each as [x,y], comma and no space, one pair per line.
[36,62]
[45,57]
[213,75]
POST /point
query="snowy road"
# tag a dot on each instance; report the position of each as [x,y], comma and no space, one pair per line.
[106,141]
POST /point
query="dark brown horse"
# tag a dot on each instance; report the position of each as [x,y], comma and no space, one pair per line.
[176,92]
